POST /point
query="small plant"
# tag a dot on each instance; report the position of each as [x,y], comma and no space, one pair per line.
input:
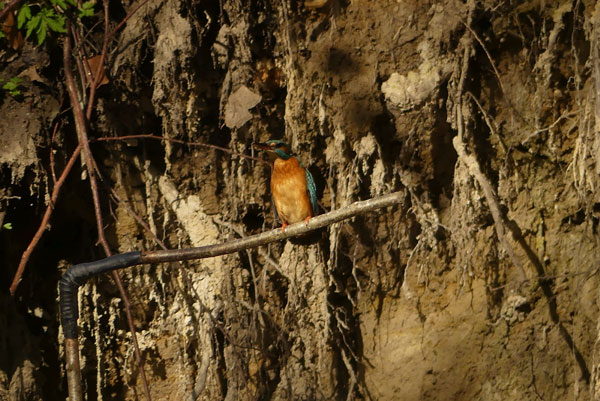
[7,226]
[45,16]
[87,9]
[12,86]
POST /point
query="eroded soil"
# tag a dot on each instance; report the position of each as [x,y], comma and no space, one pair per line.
[482,284]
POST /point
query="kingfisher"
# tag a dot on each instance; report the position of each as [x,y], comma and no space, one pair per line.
[292,186]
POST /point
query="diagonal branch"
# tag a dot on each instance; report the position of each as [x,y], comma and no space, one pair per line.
[77,275]
[98,73]
[181,142]
[81,128]
[10,6]
[38,235]
[273,235]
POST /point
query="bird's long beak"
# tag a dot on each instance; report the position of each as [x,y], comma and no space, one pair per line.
[262,146]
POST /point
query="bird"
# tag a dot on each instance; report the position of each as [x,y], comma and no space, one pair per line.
[293,188]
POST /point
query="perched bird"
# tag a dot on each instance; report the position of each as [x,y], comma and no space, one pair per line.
[292,186]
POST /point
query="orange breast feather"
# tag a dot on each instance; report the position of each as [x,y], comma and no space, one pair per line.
[288,186]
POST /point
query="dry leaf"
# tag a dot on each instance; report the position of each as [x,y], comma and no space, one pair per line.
[238,105]
[32,74]
[93,63]
[13,35]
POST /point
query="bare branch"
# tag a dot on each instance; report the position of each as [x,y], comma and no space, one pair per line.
[81,128]
[273,235]
[179,141]
[98,73]
[38,235]
[10,6]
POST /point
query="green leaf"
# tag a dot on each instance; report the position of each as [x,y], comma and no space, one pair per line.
[12,83]
[56,24]
[87,9]
[61,3]
[33,24]
[23,16]
[7,226]
[12,86]
[41,32]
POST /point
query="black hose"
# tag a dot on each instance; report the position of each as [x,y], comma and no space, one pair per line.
[77,275]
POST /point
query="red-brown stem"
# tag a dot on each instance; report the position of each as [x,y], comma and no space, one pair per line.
[7,8]
[73,369]
[80,127]
[99,70]
[38,235]
[82,68]
[160,138]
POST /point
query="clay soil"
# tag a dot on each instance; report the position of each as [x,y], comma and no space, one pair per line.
[482,284]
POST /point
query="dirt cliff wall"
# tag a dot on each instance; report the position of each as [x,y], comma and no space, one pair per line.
[482,284]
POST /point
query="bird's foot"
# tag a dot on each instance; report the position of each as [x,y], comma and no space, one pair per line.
[283,226]
[307,218]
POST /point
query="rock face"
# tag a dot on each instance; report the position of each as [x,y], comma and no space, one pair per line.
[482,284]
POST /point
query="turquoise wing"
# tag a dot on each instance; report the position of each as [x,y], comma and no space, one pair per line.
[312,191]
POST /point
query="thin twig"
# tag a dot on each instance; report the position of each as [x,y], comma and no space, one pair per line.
[487,53]
[161,138]
[7,8]
[563,116]
[80,127]
[38,235]
[83,69]
[99,73]
[489,123]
